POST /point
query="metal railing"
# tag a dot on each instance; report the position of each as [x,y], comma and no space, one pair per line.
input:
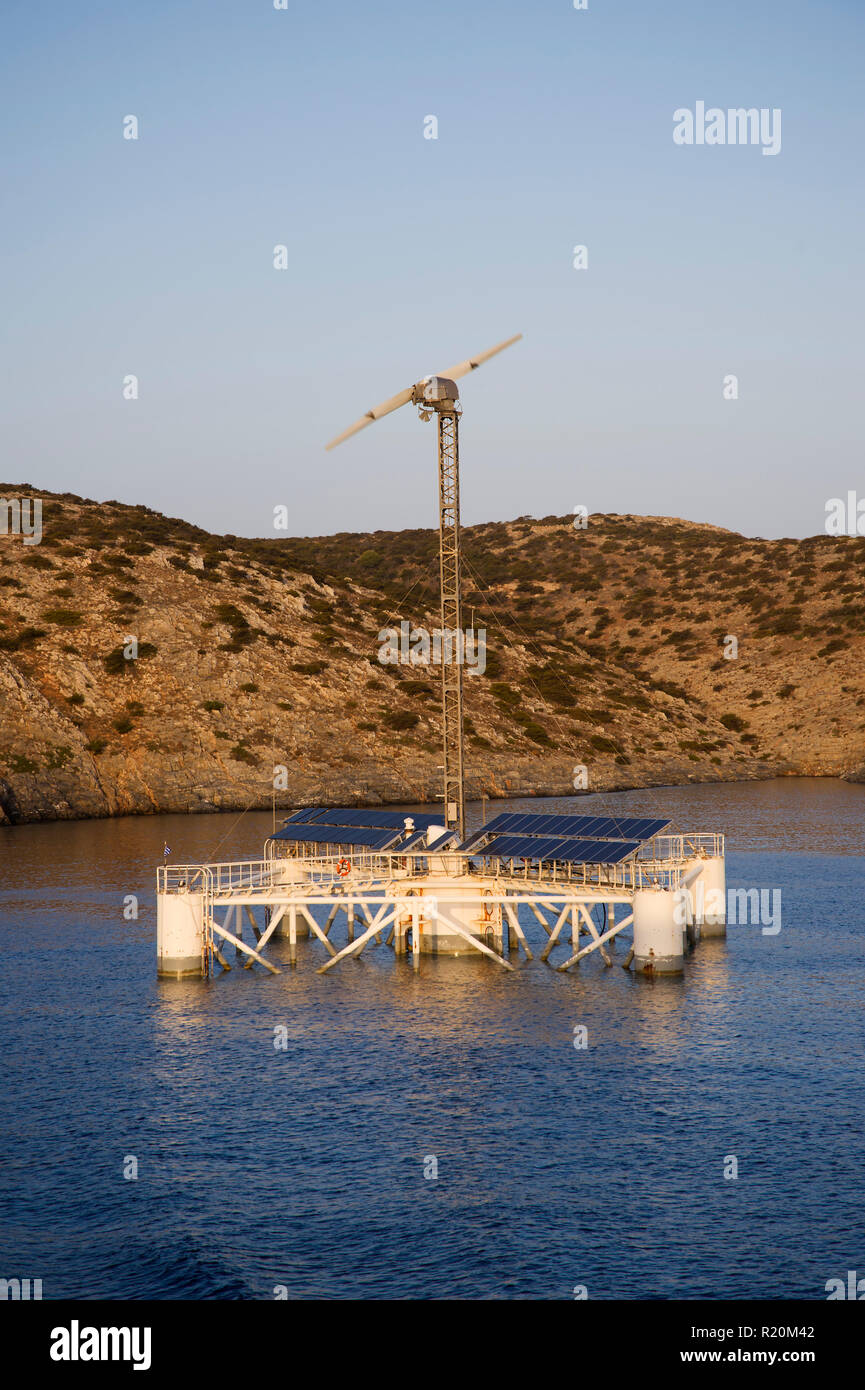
[686,845]
[244,875]
[183,878]
[663,866]
[378,863]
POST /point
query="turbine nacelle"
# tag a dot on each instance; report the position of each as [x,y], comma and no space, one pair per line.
[435,390]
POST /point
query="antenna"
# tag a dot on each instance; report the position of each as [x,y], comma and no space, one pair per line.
[439,395]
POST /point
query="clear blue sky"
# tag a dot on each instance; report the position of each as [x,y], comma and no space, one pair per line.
[305,127]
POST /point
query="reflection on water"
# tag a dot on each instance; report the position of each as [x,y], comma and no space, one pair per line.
[714,978]
[752,1052]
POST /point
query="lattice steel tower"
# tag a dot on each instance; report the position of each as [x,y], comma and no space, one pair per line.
[451,621]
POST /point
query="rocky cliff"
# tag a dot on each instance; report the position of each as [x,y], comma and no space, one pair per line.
[146,665]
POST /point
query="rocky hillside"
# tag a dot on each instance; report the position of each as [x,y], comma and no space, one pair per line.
[605,648]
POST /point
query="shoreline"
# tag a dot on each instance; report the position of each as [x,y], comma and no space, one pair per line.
[403,797]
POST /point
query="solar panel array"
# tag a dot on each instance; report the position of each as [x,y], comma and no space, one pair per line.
[512,835]
[567,851]
[566,839]
[376,830]
[572,827]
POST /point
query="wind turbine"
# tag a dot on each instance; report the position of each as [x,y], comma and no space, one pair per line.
[439,395]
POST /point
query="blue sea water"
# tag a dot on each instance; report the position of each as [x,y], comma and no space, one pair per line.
[557,1167]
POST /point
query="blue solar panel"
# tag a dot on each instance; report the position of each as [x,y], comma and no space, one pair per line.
[599,828]
[579,825]
[616,851]
[340,817]
[369,836]
[542,825]
[518,824]
[541,847]
[499,845]
[416,841]
[381,838]
[646,827]
[594,851]
[324,816]
[498,842]
[549,825]
[294,832]
[579,851]
[620,829]
[301,833]
[505,821]
[561,825]
[594,827]
[519,847]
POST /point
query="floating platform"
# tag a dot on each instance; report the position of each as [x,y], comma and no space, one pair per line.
[413,879]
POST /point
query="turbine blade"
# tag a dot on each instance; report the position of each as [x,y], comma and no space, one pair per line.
[463,368]
[375,414]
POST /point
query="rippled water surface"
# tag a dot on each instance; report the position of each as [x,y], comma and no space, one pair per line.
[557,1167]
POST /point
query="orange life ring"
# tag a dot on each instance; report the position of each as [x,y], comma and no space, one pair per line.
[343,868]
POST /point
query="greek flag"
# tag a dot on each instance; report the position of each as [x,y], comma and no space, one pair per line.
[165,851]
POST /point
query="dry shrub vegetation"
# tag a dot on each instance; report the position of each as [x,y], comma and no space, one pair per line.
[604,646]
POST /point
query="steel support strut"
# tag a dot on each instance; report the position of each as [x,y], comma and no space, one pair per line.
[451,621]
